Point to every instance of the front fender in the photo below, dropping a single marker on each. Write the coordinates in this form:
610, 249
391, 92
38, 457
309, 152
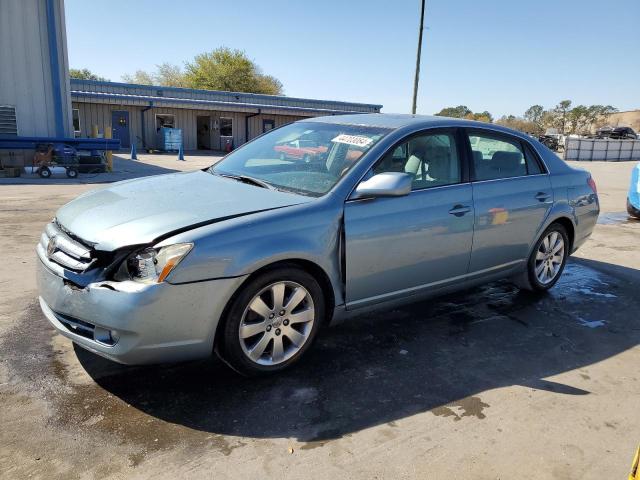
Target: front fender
243, 245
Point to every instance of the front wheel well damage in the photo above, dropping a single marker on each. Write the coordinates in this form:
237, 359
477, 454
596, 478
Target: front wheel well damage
313, 269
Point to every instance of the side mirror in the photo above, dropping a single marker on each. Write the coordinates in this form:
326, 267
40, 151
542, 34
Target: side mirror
389, 184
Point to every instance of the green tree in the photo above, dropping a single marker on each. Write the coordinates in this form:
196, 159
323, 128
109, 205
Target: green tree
169, 75
534, 114
520, 124
229, 70
561, 113
165, 74
483, 117
461, 111
583, 119
140, 77
85, 74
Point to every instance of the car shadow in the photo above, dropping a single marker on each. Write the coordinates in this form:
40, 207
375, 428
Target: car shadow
438, 356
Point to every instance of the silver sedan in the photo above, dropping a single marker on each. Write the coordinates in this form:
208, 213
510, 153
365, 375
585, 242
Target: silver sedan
251, 257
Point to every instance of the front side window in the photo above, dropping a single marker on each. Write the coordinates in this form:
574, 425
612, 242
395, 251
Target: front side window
431, 159
303, 157
496, 157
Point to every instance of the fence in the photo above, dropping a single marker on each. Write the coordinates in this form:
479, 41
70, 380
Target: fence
590, 149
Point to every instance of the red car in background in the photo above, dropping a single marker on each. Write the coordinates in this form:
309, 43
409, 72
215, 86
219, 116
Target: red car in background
305, 150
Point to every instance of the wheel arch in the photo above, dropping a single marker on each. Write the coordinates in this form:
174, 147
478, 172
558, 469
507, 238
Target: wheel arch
308, 266
568, 226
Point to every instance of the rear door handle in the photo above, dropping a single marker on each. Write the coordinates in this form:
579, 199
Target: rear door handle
542, 196
459, 210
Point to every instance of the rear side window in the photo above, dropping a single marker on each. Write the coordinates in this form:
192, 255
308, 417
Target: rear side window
533, 164
497, 157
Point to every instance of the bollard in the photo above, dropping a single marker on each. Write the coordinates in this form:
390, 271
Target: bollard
107, 134
181, 152
134, 154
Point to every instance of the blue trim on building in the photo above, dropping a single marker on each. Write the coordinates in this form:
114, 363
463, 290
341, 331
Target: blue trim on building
55, 68
257, 96
169, 102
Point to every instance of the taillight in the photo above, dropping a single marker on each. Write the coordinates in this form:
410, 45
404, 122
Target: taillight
591, 182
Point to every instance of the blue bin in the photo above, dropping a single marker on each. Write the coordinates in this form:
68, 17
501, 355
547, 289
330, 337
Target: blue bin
169, 139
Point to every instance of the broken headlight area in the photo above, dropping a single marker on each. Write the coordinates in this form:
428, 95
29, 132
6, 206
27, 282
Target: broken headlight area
152, 265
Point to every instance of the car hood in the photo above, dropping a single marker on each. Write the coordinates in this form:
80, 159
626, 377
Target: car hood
140, 211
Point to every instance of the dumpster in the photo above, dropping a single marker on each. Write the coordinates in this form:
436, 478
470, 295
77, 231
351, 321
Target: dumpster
168, 139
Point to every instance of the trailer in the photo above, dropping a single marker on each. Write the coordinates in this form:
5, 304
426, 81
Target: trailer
69, 153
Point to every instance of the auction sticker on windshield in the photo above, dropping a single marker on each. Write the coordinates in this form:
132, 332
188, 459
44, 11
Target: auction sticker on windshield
357, 140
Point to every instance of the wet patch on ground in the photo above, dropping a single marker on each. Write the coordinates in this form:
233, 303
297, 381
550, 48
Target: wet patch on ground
617, 218
437, 356
465, 407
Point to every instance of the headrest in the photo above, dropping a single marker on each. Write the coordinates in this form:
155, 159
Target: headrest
506, 160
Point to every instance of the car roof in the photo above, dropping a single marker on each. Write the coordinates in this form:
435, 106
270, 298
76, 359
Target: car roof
398, 120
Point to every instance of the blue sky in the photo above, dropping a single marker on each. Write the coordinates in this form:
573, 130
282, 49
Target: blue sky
496, 55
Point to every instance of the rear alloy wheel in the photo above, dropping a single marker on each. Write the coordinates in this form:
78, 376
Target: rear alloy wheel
548, 259
272, 322
44, 172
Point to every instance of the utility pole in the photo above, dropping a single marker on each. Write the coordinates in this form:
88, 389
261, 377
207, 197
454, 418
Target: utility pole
417, 77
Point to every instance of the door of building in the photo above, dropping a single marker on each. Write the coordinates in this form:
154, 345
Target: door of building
120, 127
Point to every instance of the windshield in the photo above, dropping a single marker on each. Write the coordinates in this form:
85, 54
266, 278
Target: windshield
303, 157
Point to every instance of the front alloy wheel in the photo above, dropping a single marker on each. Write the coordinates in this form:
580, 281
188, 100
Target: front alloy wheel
277, 323
272, 321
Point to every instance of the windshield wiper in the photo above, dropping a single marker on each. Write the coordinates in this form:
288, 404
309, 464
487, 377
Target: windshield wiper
247, 179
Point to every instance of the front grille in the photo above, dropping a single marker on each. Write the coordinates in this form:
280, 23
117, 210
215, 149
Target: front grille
67, 252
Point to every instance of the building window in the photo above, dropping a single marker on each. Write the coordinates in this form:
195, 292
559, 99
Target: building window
76, 120
268, 124
8, 123
226, 127
165, 120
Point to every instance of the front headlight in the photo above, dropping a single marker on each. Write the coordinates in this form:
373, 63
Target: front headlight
153, 265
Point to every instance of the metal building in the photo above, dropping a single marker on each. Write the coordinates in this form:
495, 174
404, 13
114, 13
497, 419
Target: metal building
34, 69
208, 119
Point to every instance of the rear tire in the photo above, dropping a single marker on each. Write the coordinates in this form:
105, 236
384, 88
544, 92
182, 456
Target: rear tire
44, 172
547, 260
272, 321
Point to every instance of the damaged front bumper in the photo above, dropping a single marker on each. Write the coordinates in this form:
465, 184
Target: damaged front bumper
135, 323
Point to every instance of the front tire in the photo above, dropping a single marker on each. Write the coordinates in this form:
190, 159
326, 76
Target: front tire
272, 322
547, 260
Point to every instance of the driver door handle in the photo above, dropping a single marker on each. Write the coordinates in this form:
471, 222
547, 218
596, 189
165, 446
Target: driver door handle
542, 196
459, 210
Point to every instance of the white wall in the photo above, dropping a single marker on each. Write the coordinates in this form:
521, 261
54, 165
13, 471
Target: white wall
589, 149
